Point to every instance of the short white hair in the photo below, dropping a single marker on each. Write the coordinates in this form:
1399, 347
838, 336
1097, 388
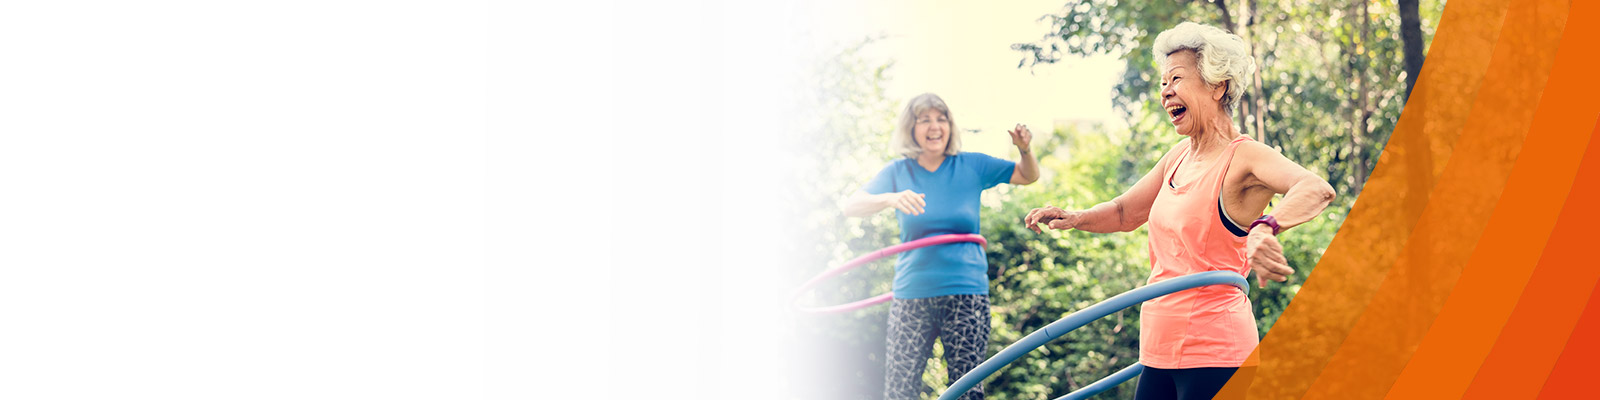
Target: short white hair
1222, 57
905, 140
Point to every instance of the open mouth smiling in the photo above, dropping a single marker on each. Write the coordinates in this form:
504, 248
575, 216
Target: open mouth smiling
1175, 112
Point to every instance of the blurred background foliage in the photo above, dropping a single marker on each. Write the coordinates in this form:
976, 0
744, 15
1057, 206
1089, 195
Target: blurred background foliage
1333, 78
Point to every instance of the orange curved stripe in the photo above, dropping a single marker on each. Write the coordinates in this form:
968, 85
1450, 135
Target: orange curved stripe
1573, 375
1547, 314
1478, 306
1413, 292
1549, 308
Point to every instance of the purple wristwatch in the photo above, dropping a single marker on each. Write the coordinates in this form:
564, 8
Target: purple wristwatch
1270, 221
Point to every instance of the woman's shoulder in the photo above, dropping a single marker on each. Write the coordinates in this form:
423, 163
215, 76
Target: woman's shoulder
1254, 148
1250, 153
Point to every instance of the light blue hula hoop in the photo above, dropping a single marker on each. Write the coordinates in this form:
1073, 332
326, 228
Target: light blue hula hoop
1084, 317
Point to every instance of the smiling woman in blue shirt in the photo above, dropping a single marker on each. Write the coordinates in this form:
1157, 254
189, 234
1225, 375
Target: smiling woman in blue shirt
939, 291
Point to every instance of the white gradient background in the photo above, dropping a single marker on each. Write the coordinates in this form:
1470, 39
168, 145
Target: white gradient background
430, 200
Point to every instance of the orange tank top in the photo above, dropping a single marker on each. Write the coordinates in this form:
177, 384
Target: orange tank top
1211, 326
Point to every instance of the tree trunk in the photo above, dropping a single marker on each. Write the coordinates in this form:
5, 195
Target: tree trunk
1363, 104
1227, 17
1259, 112
1411, 38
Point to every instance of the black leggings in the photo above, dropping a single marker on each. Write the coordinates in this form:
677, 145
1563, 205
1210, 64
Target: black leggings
1182, 384
960, 322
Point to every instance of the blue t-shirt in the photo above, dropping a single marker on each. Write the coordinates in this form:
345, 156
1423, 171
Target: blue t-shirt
951, 193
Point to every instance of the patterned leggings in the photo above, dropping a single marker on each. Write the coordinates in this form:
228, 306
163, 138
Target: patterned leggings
960, 321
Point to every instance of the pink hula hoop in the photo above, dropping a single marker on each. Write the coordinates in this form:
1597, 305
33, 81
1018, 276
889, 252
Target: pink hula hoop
870, 257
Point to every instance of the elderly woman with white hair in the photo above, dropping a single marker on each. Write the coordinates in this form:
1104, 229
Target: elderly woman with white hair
939, 291
1203, 201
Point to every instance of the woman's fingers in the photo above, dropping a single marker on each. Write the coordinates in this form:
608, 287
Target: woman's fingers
908, 202
1043, 216
1281, 269
1053, 213
1264, 275
900, 207
913, 200
1050, 216
1060, 224
1277, 262
1031, 221
1020, 135
1274, 269
1269, 263
914, 203
907, 206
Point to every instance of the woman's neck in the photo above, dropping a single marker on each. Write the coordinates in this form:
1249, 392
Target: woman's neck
930, 161
1213, 137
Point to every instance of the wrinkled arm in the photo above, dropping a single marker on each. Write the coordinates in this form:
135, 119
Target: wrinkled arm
1124, 213
1305, 194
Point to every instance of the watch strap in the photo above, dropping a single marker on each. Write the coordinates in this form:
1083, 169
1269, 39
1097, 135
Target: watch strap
1269, 221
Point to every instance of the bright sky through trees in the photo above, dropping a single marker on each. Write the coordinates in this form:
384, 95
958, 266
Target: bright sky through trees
954, 49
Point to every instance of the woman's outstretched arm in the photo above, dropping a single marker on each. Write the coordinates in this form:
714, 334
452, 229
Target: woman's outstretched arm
862, 204
1124, 213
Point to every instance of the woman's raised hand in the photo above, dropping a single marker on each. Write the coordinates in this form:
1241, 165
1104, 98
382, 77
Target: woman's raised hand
1021, 137
906, 201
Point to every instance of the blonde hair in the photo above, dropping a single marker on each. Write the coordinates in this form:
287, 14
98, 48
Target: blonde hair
1222, 57
905, 141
